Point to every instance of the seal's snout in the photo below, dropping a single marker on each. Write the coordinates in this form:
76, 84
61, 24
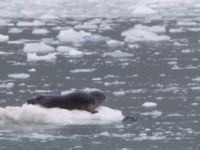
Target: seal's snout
99, 95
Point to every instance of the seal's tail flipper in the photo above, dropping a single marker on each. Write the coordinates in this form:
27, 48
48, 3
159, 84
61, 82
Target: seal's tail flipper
129, 119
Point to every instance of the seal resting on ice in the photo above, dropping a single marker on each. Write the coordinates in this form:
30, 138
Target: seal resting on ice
76, 100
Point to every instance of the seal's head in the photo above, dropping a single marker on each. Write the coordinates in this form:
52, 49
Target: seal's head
99, 97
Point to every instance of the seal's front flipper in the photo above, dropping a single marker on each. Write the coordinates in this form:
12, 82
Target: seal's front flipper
92, 111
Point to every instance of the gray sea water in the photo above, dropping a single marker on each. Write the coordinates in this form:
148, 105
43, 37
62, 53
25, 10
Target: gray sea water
165, 73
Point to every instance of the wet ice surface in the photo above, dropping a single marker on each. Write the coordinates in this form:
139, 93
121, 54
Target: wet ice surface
144, 55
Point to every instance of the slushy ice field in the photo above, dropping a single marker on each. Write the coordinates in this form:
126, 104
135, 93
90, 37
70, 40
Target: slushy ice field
143, 54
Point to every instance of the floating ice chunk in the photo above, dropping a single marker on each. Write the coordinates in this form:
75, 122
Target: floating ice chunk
118, 54
119, 93
186, 23
195, 104
197, 29
7, 85
69, 51
196, 79
82, 70
34, 23
38, 48
156, 29
35, 114
40, 31
155, 113
176, 30
15, 30
87, 26
32, 70
138, 35
142, 11
5, 53
73, 36
3, 22
114, 43
3, 38
19, 75
50, 57
149, 104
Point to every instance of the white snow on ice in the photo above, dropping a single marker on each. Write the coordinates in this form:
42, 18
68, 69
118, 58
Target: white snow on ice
72, 36
36, 114
69, 51
143, 33
38, 48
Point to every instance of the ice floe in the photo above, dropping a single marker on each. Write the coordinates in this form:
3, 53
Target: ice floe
34, 57
155, 113
141, 10
32, 70
149, 104
15, 30
34, 23
38, 48
4, 38
82, 70
114, 43
28, 114
7, 85
19, 75
143, 33
119, 93
72, 36
118, 54
69, 51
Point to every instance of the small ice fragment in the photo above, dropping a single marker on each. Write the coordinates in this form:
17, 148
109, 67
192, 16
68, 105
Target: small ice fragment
114, 43
32, 70
15, 30
82, 70
3, 38
118, 54
155, 113
104, 134
7, 85
149, 104
19, 76
119, 93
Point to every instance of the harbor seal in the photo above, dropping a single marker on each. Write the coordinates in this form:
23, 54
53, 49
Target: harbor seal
76, 100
